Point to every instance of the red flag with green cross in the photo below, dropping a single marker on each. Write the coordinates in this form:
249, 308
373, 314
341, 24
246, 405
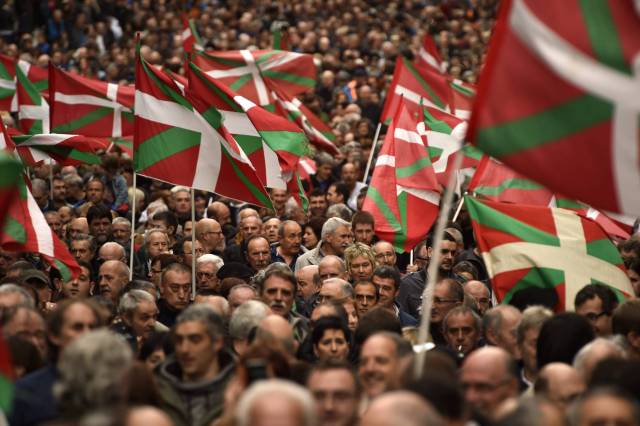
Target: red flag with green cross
559, 98
33, 108
37, 75
251, 73
404, 194
190, 37
550, 251
67, 150
182, 140
84, 106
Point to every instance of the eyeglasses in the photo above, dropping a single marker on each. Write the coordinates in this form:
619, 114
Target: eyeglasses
438, 301
593, 317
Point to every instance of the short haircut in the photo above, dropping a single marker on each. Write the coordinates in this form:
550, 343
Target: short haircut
455, 289
276, 269
367, 283
591, 291
55, 319
341, 188
85, 237
532, 318
376, 320
98, 211
283, 224
333, 364
27, 301
574, 413
362, 218
345, 287
462, 310
121, 221
130, 301
626, 318
175, 267
492, 319
402, 345
329, 323
168, 217
331, 225
340, 210
247, 317
265, 389
150, 232
466, 266
445, 237
388, 273
210, 258
206, 315
358, 250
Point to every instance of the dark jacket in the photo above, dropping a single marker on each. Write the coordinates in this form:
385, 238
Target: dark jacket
33, 402
166, 314
410, 296
193, 404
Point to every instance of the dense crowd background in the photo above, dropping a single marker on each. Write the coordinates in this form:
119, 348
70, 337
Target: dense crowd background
298, 318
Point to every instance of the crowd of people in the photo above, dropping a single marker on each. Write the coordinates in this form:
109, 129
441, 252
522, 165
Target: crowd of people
289, 317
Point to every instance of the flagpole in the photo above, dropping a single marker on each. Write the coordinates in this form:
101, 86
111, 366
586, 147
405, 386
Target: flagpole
193, 243
51, 180
411, 257
432, 271
460, 203
133, 227
373, 150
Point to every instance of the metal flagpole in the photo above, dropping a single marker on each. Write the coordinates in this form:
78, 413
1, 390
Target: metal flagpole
51, 180
460, 204
133, 227
193, 243
371, 154
432, 271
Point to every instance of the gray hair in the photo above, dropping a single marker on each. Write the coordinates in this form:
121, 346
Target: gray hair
492, 319
462, 310
210, 258
613, 345
345, 287
121, 220
150, 232
206, 315
277, 269
265, 389
27, 299
324, 158
331, 225
85, 237
130, 301
92, 369
73, 180
246, 317
39, 185
339, 210
532, 317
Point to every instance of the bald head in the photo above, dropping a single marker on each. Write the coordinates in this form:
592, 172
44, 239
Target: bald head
218, 303
209, 233
559, 383
332, 267
111, 251
304, 278
278, 328
147, 415
220, 212
400, 408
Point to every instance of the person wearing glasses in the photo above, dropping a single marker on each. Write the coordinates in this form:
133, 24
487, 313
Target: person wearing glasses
596, 302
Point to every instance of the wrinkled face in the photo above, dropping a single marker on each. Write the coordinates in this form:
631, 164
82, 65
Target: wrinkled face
461, 333
270, 229
259, 254
250, 227
528, 349
443, 302
182, 202
78, 288
386, 289
333, 196
95, 191
213, 237
195, 351
206, 276
330, 290
239, 296
111, 280
100, 228
65, 214
363, 233
448, 252
634, 278
378, 362
385, 255
480, 293
55, 222
77, 226
593, 311
330, 269
340, 239
361, 269
333, 345
306, 287
29, 326
365, 297
120, 232
278, 294
507, 335
176, 289
78, 319
291, 242
336, 397
485, 387
81, 250
186, 247
349, 174
158, 243
144, 317
317, 205
309, 239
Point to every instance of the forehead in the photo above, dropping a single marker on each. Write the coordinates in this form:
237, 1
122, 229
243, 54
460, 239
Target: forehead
292, 227
382, 247
177, 277
342, 229
383, 281
157, 236
334, 379
94, 184
78, 311
181, 195
363, 226
329, 265
378, 345
208, 266
463, 319
276, 282
360, 259
449, 245
364, 287
146, 305
191, 327
80, 243
258, 244
272, 222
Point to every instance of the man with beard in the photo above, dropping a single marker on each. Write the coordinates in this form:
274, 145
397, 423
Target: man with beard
412, 287
336, 237
290, 244
349, 175
334, 387
277, 288
99, 219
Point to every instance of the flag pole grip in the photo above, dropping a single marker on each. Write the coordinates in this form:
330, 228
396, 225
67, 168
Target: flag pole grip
372, 153
133, 227
432, 271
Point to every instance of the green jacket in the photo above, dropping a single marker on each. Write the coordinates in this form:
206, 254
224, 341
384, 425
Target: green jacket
193, 404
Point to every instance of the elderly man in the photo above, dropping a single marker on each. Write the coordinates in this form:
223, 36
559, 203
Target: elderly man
500, 328
207, 267
181, 201
335, 238
112, 277
289, 246
138, 311
77, 226
27, 323
280, 401
243, 320
332, 267
462, 329
111, 251
400, 408
385, 253
480, 293
527, 334
335, 289
175, 292
488, 378
82, 247
258, 253
308, 287
270, 229
559, 383
209, 233
121, 231
187, 250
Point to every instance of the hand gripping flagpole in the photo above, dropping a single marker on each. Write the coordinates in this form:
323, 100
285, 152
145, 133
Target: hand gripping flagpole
193, 243
372, 153
133, 227
432, 271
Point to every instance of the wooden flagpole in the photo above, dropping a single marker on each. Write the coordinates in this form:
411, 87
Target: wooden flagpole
193, 243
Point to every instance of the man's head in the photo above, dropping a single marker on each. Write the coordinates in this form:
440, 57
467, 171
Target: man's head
447, 253
79, 287
560, 384
317, 203
387, 280
335, 289
277, 288
385, 254
258, 253
66, 213
77, 226
335, 388
187, 249
83, 247
380, 361
207, 267
360, 262
181, 200
99, 219
596, 302
480, 293
111, 251
270, 229
277, 328
605, 406
138, 310
307, 282
332, 266
250, 226
500, 327
349, 174
220, 212
209, 233
12, 296
26, 323
219, 304
596, 351
626, 322
156, 242
447, 294
240, 294
362, 225
165, 221
112, 277
279, 198
175, 286
198, 337
337, 193
336, 233
400, 408
121, 230
462, 329
290, 237
366, 296
275, 402
527, 335
70, 320
243, 321
59, 189
55, 222
95, 191
489, 376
